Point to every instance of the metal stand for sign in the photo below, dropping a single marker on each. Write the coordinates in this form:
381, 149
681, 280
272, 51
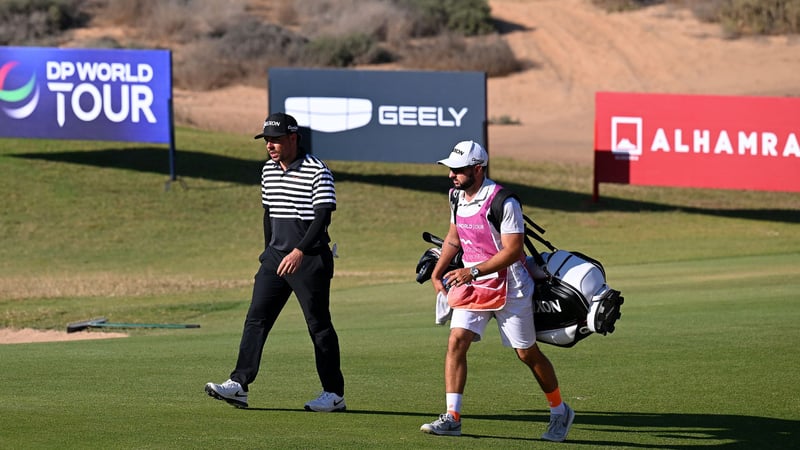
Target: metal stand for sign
172, 174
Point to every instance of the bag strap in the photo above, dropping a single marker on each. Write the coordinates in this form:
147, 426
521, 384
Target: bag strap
532, 229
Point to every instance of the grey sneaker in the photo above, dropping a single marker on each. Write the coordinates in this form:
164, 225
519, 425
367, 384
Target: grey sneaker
445, 425
229, 391
326, 402
559, 425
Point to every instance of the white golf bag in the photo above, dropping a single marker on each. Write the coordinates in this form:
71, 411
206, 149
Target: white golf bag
571, 299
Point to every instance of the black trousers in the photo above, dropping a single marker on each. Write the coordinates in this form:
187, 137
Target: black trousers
311, 285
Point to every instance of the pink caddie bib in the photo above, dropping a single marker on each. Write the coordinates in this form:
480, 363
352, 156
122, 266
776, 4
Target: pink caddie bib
487, 293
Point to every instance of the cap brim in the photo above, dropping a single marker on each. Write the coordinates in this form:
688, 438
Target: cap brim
451, 164
263, 135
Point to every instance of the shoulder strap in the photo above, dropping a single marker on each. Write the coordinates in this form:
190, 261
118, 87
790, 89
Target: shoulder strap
532, 229
454, 202
496, 208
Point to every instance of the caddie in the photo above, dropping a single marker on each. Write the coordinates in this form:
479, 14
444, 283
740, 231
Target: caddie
494, 283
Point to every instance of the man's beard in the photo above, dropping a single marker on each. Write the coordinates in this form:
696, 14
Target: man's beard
468, 183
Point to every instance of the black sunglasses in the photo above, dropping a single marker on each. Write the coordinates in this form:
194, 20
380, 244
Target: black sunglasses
460, 170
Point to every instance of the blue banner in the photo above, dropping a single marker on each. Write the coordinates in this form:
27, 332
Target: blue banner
108, 95
392, 116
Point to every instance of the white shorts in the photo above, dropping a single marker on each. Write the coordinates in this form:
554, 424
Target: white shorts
515, 322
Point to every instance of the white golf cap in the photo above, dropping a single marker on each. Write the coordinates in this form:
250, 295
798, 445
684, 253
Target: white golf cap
464, 154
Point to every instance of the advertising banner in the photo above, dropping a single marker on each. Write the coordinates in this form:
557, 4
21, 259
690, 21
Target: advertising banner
701, 141
109, 95
392, 116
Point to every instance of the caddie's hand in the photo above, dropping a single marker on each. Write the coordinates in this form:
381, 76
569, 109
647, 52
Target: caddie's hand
458, 277
438, 285
290, 263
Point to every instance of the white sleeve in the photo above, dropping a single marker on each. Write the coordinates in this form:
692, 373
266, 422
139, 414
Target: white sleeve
513, 222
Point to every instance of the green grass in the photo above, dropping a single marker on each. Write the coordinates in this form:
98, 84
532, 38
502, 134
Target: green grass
705, 354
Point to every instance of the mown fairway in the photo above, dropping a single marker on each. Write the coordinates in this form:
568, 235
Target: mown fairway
705, 354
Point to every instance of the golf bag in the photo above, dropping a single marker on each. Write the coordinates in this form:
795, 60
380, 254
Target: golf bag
571, 299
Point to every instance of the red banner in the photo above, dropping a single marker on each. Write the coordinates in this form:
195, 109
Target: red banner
699, 141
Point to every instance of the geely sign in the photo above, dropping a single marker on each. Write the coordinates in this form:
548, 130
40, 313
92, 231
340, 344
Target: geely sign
329, 114
113, 95
394, 116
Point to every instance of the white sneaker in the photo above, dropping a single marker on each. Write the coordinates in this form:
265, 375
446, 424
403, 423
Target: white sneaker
559, 425
229, 391
326, 402
445, 425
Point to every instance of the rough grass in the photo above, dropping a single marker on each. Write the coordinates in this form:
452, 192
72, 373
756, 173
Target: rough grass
85, 220
710, 280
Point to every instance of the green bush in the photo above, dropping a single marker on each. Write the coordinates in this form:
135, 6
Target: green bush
433, 17
344, 51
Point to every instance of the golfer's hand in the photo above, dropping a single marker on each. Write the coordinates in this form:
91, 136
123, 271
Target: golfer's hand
290, 263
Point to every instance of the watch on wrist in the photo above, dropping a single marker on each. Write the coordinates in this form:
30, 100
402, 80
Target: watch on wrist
474, 272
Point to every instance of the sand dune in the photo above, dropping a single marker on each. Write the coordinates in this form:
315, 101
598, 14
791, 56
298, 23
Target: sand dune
575, 50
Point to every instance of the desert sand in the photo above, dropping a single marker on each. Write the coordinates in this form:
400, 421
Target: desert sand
29, 335
575, 50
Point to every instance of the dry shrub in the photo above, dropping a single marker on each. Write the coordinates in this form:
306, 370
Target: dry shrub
737, 17
705, 10
242, 53
39, 21
434, 17
757, 17
490, 54
624, 5
381, 20
178, 21
215, 43
344, 51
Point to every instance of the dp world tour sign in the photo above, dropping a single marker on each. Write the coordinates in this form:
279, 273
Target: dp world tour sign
113, 95
392, 116
700, 141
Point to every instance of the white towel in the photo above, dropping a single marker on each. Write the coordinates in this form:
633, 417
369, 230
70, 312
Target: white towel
443, 311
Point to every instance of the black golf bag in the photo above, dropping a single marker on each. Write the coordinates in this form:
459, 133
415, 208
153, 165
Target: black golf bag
571, 299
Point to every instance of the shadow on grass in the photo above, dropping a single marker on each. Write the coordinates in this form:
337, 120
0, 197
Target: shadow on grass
685, 431
567, 201
653, 430
156, 160
233, 170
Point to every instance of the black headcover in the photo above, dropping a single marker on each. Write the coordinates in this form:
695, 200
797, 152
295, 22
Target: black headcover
428, 261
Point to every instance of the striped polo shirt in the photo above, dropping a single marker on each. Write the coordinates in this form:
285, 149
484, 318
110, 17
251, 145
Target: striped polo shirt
292, 196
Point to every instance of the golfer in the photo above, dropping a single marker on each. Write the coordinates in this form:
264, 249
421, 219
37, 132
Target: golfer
494, 283
298, 195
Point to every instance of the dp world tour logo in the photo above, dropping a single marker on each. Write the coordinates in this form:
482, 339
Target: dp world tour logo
18, 102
